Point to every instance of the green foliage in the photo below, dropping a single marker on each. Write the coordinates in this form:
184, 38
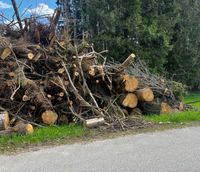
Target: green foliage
163, 32
179, 90
193, 99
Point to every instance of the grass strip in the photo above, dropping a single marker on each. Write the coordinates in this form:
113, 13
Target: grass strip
180, 117
40, 136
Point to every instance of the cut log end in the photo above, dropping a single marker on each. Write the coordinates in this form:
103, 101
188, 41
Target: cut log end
165, 108
23, 128
6, 53
130, 100
145, 94
4, 120
49, 117
128, 61
30, 56
131, 83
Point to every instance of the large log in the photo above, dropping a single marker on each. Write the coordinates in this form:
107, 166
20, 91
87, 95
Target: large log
145, 94
23, 128
23, 52
4, 120
129, 100
130, 83
49, 117
155, 108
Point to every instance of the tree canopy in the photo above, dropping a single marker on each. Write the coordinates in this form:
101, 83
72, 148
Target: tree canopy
165, 33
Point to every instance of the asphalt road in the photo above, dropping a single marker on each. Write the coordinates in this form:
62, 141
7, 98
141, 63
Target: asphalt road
175, 150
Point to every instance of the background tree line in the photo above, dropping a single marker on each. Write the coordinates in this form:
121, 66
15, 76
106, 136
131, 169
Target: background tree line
165, 33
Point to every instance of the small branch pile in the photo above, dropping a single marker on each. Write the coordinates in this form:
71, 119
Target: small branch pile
48, 79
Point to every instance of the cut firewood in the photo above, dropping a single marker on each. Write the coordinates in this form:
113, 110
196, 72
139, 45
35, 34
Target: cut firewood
129, 100
131, 83
165, 108
4, 120
49, 117
25, 98
30, 56
145, 94
23, 128
5, 53
43, 71
127, 62
95, 122
155, 108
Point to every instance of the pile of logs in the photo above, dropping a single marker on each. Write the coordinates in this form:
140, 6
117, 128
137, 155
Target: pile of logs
48, 79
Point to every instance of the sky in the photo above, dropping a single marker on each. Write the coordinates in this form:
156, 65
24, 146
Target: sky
38, 7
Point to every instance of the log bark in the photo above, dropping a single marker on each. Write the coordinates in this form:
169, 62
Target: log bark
129, 100
145, 94
95, 122
155, 108
136, 111
4, 120
23, 52
150, 107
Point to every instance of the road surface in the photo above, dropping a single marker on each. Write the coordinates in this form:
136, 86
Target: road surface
176, 150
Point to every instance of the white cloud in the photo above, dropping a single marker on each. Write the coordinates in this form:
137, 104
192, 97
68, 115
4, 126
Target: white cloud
4, 5
41, 9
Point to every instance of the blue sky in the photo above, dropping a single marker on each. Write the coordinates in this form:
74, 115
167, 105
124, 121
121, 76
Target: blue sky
38, 7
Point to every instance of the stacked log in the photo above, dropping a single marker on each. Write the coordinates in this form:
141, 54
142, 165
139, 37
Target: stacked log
50, 80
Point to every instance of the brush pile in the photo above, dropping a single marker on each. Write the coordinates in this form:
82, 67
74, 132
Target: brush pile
46, 78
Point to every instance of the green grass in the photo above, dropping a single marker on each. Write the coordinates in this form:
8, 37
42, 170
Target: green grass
181, 117
41, 136
193, 99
